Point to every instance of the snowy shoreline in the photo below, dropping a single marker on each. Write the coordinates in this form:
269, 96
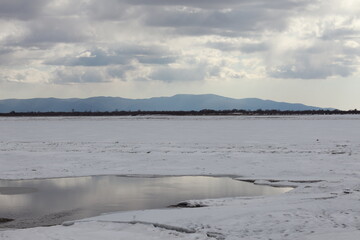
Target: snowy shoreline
295, 150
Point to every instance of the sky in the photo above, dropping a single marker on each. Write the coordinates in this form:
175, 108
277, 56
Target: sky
303, 51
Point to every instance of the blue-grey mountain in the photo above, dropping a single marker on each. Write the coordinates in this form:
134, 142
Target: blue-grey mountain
181, 102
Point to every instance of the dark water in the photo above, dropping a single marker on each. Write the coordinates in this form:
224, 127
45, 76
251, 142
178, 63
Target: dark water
51, 201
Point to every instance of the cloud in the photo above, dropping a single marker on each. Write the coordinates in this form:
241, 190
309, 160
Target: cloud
224, 46
116, 56
180, 40
79, 75
109, 10
15, 57
93, 74
48, 31
227, 18
6, 56
198, 17
254, 47
242, 47
192, 71
339, 33
28, 75
96, 57
168, 74
320, 61
120, 72
235, 22
304, 70
215, 4
21, 9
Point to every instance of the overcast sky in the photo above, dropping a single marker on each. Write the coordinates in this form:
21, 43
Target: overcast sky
304, 51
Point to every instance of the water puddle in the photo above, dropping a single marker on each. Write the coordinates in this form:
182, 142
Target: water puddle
46, 202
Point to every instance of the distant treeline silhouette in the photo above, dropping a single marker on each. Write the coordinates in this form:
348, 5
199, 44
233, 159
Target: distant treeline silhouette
204, 112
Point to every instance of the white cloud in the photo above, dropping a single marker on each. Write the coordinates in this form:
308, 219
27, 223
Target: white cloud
25, 75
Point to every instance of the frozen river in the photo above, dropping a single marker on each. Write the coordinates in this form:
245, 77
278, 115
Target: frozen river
317, 154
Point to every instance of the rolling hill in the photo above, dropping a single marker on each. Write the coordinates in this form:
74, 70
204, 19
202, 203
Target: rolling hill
180, 102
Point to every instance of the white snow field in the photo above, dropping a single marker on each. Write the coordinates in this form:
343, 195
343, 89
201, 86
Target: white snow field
317, 154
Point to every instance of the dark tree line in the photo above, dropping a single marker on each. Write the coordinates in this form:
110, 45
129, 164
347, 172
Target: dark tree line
204, 112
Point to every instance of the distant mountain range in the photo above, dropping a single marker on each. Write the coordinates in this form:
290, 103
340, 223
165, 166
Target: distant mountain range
181, 102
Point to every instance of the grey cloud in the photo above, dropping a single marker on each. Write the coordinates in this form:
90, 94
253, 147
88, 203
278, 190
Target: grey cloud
245, 47
60, 23
254, 47
191, 3
73, 75
80, 74
162, 60
43, 25
223, 46
316, 62
307, 71
216, 4
96, 57
237, 22
120, 56
339, 33
4, 51
119, 72
168, 74
198, 17
6, 55
21, 9
52, 30
203, 31
350, 53
198, 72
108, 10
13, 56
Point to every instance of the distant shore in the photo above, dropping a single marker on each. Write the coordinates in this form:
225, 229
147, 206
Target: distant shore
205, 112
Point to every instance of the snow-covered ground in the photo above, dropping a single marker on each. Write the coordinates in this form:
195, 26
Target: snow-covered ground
318, 154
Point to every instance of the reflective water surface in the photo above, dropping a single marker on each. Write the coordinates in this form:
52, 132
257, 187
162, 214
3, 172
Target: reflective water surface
51, 201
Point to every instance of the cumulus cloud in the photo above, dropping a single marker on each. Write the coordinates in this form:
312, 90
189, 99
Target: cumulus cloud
27, 75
